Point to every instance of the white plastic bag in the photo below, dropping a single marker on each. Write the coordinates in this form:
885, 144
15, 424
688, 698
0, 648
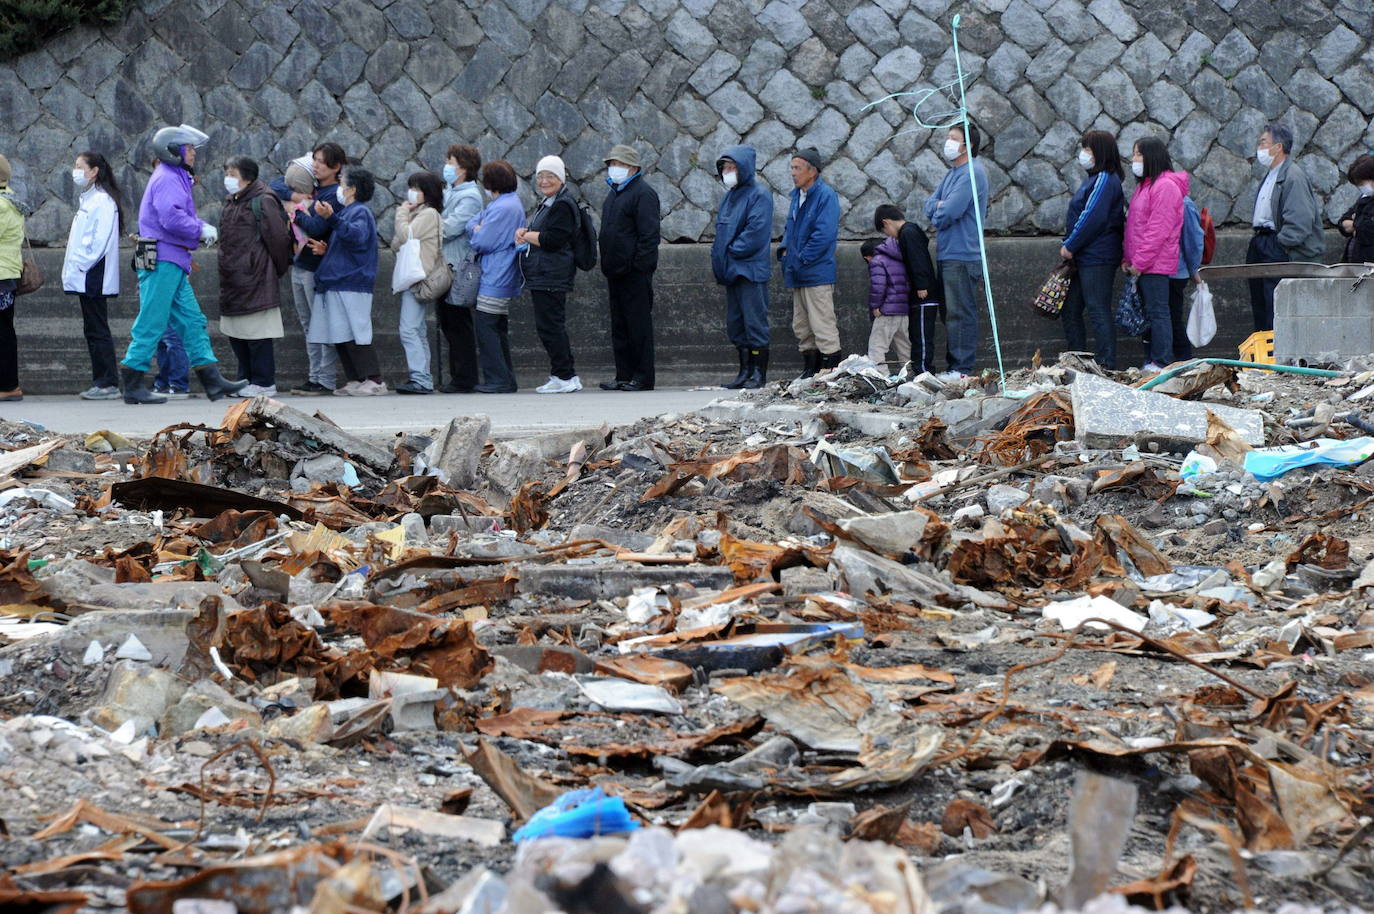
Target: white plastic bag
1202, 320
408, 270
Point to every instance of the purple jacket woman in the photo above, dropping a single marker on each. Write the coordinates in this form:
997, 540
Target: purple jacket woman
887, 282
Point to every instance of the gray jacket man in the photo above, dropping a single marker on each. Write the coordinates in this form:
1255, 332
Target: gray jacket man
1287, 220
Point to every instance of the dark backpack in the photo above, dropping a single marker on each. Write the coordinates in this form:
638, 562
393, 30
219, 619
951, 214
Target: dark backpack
1209, 235
584, 239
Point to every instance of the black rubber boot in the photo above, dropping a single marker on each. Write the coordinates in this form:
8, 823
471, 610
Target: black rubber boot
135, 391
217, 385
829, 360
811, 360
758, 369
743, 369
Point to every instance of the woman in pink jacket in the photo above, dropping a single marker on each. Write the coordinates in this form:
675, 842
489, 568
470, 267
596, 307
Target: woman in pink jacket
1154, 225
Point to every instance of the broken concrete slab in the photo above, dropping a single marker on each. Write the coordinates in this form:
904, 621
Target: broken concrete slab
890, 534
610, 580
162, 632
195, 701
458, 448
1107, 415
629, 539
869, 422
136, 692
274, 412
444, 524
1005, 498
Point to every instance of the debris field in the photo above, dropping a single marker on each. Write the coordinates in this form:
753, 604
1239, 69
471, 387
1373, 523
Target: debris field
857, 643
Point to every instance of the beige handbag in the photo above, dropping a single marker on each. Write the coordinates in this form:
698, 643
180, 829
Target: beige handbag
439, 280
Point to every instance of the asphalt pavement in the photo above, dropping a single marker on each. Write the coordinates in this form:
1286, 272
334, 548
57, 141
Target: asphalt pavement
512, 415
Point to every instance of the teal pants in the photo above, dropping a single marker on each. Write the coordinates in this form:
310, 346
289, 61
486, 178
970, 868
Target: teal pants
165, 297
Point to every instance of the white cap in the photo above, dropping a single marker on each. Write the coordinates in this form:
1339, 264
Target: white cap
554, 166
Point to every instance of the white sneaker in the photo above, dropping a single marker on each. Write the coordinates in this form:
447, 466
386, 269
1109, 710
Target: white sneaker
100, 393
253, 390
559, 386
370, 388
951, 376
172, 394
1152, 368
348, 389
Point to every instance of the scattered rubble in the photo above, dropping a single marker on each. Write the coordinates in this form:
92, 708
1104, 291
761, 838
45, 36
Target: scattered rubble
855, 643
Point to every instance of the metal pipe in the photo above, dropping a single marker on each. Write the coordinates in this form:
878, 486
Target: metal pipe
1236, 363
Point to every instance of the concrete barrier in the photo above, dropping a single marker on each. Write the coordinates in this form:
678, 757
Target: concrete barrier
689, 317
1316, 316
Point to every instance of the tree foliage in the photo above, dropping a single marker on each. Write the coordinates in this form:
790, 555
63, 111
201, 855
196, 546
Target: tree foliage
26, 24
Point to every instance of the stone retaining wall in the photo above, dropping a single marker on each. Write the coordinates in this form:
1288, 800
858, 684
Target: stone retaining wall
396, 81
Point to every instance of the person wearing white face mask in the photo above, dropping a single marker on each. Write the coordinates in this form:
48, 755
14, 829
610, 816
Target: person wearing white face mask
463, 199
740, 263
418, 217
951, 213
1094, 224
255, 253
629, 256
90, 269
1357, 224
1286, 220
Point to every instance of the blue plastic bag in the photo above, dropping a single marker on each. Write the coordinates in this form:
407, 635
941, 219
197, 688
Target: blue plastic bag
579, 814
1130, 313
1268, 463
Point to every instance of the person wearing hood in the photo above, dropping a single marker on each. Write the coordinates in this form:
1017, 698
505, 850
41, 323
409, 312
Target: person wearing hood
1287, 220
889, 301
546, 260
308, 179
255, 253
11, 268
739, 260
923, 283
954, 214
1154, 228
90, 268
629, 256
167, 218
1357, 224
807, 254
1094, 225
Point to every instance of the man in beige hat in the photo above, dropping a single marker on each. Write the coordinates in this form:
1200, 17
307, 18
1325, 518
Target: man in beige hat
629, 256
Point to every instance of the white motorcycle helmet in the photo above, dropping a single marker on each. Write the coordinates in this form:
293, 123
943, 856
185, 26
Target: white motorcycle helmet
169, 140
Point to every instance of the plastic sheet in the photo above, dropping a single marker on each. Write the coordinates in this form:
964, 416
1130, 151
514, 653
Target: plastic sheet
579, 814
1272, 462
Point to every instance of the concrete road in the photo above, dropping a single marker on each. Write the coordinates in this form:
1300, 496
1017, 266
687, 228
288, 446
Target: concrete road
512, 415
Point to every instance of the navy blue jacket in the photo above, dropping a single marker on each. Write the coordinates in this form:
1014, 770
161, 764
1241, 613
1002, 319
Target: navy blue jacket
744, 225
807, 250
350, 261
1096, 221
307, 221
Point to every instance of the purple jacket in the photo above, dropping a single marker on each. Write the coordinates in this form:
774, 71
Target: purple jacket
887, 283
168, 214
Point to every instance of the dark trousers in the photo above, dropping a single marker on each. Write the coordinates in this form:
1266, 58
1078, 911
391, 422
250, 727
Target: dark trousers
1264, 248
95, 323
1154, 298
920, 326
550, 322
9, 350
1178, 316
173, 365
746, 313
257, 361
359, 362
961, 279
1090, 294
493, 351
632, 326
456, 323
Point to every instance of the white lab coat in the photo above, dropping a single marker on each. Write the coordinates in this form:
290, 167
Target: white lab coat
94, 234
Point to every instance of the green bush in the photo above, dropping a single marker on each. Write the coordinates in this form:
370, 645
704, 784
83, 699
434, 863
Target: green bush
26, 24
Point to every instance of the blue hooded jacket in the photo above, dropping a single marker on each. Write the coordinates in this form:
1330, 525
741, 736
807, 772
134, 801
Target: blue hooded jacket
350, 262
807, 250
1096, 221
744, 225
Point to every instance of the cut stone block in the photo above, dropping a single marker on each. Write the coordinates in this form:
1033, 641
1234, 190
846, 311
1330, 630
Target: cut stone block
1314, 317
1107, 414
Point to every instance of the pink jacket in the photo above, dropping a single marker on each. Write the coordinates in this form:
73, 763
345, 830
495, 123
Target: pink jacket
1154, 224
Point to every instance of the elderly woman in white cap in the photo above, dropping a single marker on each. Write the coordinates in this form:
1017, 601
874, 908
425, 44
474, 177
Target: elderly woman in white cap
548, 266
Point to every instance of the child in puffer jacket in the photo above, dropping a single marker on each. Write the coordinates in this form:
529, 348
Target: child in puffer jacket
888, 303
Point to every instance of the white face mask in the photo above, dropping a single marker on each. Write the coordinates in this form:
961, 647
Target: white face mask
730, 178
232, 185
1265, 157
952, 149
415, 197
1367, 190
339, 193
1085, 159
79, 177
1138, 169
617, 173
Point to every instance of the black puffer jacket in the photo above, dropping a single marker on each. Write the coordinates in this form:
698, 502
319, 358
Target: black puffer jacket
629, 229
549, 266
1360, 246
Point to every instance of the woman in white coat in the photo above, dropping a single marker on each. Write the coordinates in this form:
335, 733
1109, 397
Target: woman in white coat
90, 270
